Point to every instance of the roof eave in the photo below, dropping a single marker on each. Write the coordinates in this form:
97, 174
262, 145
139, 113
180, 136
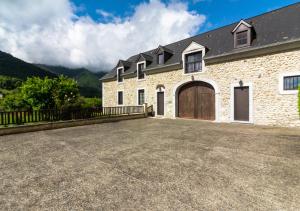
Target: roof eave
164, 68
254, 51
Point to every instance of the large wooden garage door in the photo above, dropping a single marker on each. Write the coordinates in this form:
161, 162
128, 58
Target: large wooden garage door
196, 100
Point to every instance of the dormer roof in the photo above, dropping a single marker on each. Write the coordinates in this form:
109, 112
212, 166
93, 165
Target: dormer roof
242, 22
123, 63
144, 57
161, 49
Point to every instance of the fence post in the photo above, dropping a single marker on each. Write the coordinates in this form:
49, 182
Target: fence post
145, 110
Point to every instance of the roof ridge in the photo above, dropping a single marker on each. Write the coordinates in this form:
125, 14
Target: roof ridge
236, 22
227, 25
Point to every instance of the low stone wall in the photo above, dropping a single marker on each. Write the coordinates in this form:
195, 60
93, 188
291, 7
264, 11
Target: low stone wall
65, 124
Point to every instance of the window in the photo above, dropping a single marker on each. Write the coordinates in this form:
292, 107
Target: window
119, 74
193, 62
141, 96
291, 82
241, 38
141, 74
161, 58
120, 98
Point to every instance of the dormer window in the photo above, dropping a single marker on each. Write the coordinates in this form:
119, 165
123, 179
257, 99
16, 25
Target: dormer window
193, 62
140, 72
161, 58
163, 54
120, 71
242, 34
192, 58
242, 38
121, 67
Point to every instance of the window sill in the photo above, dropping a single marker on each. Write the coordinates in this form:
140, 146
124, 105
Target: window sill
193, 73
288, 92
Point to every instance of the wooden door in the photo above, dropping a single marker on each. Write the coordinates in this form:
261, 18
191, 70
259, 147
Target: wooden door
186, 101
197, 100
205, 103
160, 103
241, 103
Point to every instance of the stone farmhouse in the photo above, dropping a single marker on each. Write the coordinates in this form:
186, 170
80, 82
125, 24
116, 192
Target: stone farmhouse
245, 72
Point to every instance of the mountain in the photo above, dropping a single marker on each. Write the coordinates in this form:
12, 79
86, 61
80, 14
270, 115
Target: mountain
14, 67
89, 84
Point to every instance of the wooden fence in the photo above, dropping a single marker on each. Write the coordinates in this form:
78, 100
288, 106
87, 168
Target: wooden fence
23, 117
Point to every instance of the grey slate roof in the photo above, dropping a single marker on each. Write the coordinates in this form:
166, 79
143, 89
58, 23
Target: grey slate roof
277, 26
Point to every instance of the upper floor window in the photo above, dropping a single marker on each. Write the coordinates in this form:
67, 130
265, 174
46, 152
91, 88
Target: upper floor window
120, 98
193, 62
291, 82
161, 59
119, 74
140, 73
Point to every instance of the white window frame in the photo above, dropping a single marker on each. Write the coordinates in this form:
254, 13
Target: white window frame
164, 91
118, 97
120, 68
137, 70
281, 83
193, 48
250, 85
137, 96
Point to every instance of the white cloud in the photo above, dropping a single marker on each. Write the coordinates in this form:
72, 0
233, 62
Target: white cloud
50, 33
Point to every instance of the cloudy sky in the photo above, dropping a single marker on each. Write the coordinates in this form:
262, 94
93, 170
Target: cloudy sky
96, 33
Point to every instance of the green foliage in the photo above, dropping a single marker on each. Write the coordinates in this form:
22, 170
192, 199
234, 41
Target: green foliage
9, 83
38, 93
14, 101
65, 91
45, 93
91, 102
49, 93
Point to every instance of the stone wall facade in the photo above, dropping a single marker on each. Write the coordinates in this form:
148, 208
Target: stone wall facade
262, 73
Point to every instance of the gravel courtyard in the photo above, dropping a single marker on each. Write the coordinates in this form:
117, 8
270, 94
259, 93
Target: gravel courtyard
152, 164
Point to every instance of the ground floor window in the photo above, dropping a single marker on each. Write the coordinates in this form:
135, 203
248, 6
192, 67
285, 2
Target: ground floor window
141, 96
120, 98
291, 82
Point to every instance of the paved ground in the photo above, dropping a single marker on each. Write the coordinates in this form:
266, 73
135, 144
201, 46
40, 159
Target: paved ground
151, 164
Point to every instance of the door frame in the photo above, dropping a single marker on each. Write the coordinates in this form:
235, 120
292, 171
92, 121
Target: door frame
250, 85
179, 85
161, 89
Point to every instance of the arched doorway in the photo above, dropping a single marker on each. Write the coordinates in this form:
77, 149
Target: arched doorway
196, 100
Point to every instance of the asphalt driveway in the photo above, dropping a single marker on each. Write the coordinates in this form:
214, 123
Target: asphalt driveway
152, 164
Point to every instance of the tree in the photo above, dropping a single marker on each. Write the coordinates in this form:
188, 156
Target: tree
50, 93
65, 92
14, 101
37, 93
9, 83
